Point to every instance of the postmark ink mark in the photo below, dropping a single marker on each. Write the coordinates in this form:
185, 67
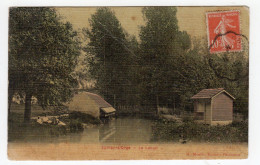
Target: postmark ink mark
223, 29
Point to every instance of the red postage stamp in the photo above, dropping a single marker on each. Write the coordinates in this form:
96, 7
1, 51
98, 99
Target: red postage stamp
223, 31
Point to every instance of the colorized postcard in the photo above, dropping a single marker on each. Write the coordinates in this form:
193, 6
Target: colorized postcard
128, 83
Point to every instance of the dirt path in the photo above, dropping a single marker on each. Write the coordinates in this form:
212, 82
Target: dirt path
74, 151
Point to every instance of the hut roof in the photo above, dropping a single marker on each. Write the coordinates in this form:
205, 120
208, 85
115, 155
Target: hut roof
87, 102
98, 99
209, 93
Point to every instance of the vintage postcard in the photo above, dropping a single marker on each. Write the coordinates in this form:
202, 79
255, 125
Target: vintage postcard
128, 83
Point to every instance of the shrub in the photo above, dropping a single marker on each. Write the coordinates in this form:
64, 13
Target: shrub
76, 120
33, 131
83, 118
172, 131
76, 125
187, 119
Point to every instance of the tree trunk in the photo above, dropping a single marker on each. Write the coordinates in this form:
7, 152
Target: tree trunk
114, 101
10, 96
27, 111
157, 105
174, 104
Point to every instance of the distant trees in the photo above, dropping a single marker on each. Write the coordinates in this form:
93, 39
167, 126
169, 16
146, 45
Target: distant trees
42, 56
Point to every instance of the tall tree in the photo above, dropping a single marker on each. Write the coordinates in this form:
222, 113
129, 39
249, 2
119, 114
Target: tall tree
162, 46
110, 55
42, 55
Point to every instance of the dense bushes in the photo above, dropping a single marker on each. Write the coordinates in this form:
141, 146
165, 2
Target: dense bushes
77, 119
83, 118
75, 125
171, 131
20, 131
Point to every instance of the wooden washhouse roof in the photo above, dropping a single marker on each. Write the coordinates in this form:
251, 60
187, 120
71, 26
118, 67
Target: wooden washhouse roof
99, 100
88, 103
209, 93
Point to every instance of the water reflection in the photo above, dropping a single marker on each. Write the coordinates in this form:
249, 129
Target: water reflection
121, 130
126, 130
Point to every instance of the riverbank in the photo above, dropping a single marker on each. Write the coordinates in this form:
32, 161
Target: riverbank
33, 131
98, 151
190, 131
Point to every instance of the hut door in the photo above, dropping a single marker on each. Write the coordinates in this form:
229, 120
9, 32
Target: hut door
207, 115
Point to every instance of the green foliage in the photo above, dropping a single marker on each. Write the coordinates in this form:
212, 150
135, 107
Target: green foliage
76, 121
111, 56
83, 118
33, 131
163, 47
171, 131
232, 72
76, 125
42, 55
29, 132
166, 69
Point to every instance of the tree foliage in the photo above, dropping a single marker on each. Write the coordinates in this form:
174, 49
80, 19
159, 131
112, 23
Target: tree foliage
231, 70
162, 46
166, 68
42, 55
174, 67
111, 56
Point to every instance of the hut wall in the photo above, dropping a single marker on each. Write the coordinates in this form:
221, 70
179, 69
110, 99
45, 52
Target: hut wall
201, 107
222, 108
195, 105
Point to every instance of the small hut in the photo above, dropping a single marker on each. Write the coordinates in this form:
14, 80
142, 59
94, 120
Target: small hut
213, 106
91, 104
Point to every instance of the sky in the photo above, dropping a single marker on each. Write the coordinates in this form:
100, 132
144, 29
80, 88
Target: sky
190, 19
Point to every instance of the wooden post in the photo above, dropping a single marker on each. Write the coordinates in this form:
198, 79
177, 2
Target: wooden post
157, 103
114, 101
27, 112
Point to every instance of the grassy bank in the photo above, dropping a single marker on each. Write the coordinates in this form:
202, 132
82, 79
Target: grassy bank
33, 131
164, 130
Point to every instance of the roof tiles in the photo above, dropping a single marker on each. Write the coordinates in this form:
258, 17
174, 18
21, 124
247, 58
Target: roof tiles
98, 99
207, 93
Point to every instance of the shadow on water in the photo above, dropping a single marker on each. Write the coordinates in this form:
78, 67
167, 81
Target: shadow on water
126, 130
119, 130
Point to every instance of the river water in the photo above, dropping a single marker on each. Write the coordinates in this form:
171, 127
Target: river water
120, 130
